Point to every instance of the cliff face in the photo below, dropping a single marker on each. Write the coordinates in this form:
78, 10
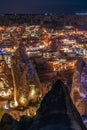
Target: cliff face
24, 74
57, 111
79, 87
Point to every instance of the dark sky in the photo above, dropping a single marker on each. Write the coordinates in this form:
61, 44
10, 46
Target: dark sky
42, 6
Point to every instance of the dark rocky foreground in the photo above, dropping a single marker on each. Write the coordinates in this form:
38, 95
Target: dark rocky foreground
56, 112
7, 122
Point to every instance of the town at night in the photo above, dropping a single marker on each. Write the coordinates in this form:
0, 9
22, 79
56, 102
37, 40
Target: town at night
43, 65
35, 57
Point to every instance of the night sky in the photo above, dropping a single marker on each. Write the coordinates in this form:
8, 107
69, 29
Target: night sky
42, 6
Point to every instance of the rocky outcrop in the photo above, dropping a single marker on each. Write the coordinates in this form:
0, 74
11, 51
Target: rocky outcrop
24, 123
79, 87
57, 111
7, 122
6, 84
24, 75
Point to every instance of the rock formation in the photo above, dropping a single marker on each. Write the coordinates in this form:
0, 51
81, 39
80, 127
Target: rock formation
7, 122
79, 87
24, 123
57, 111
6, 84
24, 75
